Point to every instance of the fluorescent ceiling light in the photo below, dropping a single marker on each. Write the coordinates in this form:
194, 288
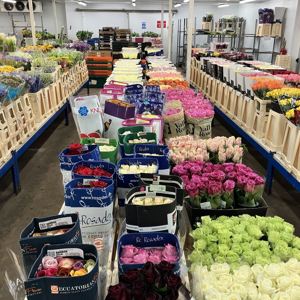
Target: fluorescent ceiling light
246, 1
186, 1
133, 0
223, 5
133, 4
10, 1
82, 3
177, 5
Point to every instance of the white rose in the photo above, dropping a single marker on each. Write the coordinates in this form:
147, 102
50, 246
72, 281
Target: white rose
220, 269
296, 279
294, 292
239, 289
284, 282
274, 270
213, 294
243, 274
293, 266
264, 297
224, 283
257, 270
252, 291
233, 296
282, 296
266, 286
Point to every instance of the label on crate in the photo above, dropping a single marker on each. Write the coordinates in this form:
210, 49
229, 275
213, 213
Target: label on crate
101, 141
205, 205
157, 188
55, 223
73, 252
170, 226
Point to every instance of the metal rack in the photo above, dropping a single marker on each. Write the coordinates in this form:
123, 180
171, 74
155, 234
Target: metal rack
256, 48
235, 39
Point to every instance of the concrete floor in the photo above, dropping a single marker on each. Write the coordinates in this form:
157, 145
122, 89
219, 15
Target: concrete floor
42, 191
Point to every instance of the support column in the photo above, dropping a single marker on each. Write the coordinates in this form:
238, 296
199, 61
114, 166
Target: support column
162, 21
170, 30
32, 22
55, 18
190, 29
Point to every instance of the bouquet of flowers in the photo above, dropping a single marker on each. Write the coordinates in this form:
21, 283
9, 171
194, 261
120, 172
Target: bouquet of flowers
244, 240
283, 93
80, 46
152, 282
291, 109
291, 79
215, 150
217, 186
262, 86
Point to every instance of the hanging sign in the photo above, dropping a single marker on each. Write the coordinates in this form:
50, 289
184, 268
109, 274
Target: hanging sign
158, 24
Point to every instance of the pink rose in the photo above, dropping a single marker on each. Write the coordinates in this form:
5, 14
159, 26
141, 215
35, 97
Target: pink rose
129, 251
196, 169
229, 185
169, 250
250, 186
141, 258
259, 180
217, 175
49, 262
241, 181
195, 179
191, 186
231, 175
214, 188
156, 259
126, 260
170, 259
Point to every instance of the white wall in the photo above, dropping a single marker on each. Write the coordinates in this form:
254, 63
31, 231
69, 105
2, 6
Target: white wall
249, 11
48, 18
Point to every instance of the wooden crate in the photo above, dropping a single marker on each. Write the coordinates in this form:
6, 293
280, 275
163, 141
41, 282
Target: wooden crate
259, 125
215, 91
20, 112
227, 98
247, 114
296, 157
14, 123
262, 106
209, 87
220, 93
193, 72
284, 61
57, 94
264, 30
275, 130
66, 86
39, 105
236, 106
6, 141
276, 30
28, 111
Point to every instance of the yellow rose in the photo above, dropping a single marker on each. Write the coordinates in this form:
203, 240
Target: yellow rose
290, 114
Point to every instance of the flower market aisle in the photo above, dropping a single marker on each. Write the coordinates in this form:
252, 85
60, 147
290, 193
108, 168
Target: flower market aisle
42, 191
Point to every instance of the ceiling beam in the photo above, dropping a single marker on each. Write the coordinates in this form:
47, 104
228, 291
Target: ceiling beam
124, 10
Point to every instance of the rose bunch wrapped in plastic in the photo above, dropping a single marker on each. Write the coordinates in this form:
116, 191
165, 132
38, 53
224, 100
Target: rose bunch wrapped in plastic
244, 240
280, 281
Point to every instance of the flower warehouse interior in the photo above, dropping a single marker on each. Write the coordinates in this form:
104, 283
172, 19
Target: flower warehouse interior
149, 150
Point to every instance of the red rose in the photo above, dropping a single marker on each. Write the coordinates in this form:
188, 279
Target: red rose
150, 273
152, 296
138, 289
172, 295
130, 276
165, 267
118, 292
74, 149
173, 281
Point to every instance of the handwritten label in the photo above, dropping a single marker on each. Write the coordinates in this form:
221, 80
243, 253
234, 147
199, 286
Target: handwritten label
55, 223
73, 252
94, 221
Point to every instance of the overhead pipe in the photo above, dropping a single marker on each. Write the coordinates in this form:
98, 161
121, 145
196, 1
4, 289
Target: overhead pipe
151, 11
